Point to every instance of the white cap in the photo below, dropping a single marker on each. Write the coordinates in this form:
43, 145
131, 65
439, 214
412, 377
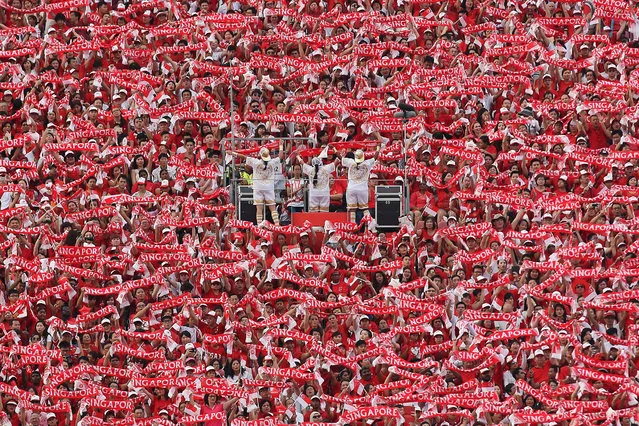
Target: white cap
264, 154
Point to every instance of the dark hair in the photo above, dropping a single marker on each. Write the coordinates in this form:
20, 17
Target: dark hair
479, 116
228, 370
315, 174
134, 166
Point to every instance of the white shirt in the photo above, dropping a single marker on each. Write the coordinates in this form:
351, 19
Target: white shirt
264, 173
358, 173
323, 176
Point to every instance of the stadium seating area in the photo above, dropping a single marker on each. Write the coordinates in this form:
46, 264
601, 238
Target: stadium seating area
133, 294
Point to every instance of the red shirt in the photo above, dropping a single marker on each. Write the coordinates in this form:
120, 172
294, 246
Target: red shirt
540, 374
419, 200
597, 137
337, 188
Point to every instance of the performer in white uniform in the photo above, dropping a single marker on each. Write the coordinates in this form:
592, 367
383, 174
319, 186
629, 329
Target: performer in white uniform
264, 182
359, 170
319, 190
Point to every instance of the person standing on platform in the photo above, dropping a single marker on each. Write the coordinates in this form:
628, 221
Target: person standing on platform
264, 182
318, 183
359, 170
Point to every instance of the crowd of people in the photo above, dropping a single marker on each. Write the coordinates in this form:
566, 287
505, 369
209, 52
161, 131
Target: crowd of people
133, 294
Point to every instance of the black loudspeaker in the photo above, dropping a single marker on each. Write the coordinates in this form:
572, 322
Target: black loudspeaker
388, 206
245, 207
387, 212
246, 210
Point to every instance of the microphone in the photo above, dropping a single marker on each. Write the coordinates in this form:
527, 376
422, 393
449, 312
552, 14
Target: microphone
406, 111
405, 115
406, 107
